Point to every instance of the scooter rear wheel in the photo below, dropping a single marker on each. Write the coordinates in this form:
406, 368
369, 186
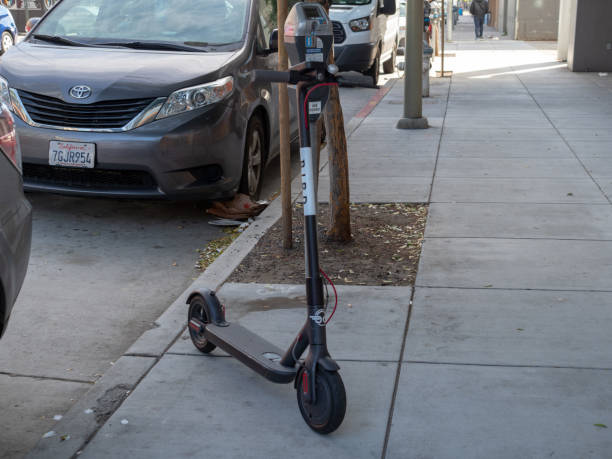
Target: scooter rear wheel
197, 310
327, 413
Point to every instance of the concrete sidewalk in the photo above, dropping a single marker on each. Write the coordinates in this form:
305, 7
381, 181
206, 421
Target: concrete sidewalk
503, 348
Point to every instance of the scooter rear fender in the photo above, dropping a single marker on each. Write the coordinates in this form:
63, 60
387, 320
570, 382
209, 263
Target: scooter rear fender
214, 308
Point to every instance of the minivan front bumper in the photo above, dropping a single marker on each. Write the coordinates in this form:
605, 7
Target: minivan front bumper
197, 154
357, 57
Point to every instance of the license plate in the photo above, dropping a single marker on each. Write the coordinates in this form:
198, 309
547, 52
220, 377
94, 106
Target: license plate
72, 154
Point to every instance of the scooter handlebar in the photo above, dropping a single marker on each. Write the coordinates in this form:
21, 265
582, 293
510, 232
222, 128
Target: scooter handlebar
271, 76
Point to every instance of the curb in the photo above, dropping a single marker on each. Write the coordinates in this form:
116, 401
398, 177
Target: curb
79, 423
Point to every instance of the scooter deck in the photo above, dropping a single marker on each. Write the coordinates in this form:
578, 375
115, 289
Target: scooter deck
252, 350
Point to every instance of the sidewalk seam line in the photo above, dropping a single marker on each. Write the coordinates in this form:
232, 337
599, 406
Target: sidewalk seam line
516, 238
397, 378
435, 169
407, 326
509, 365
564, 139
46, 378
521, 203
514, 289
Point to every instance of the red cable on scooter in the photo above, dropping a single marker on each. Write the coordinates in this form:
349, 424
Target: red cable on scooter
308, 94
335, 294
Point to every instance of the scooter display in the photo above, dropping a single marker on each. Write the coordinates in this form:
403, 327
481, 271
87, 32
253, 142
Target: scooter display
321, 395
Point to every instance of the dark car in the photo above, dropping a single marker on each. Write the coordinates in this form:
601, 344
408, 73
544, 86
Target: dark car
8, 29
15, 219
145, 98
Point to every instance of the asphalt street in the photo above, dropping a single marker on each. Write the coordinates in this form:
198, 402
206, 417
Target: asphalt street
101, 272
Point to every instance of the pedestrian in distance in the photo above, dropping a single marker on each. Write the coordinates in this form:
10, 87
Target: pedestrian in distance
479, 9
427, 20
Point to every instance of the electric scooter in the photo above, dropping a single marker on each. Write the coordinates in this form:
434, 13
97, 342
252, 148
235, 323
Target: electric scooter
321, 395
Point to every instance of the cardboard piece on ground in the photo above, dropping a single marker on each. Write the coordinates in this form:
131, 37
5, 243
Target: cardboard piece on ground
241, 207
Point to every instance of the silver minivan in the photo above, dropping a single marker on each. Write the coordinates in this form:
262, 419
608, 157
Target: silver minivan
15, 219
146, 98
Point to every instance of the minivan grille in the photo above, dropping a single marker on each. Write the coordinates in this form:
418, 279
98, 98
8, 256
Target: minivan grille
111, 114
97, 179
339, 34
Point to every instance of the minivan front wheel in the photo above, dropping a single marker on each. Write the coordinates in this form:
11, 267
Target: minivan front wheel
254, 158
7, 41
389, 65
374, 71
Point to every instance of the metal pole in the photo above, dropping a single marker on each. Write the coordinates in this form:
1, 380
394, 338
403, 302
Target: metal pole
451, 17
436, 35
27, 10
442, 39
413, 75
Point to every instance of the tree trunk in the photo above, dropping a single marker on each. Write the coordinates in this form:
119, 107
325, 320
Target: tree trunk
339, 197
285, 149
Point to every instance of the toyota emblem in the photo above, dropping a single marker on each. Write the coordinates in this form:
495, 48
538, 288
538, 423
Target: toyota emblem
80, 92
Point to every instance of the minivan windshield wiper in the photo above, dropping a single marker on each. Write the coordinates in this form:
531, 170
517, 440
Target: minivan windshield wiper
59, 40
153, 45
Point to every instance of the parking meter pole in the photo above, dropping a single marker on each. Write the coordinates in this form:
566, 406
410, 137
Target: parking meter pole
436, 34
413, 74
283, 110
26, 8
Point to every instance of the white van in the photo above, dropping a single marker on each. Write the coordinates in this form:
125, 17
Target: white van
366, 33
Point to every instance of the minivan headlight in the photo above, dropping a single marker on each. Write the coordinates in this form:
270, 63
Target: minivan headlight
360, 25
188, 99
5, 95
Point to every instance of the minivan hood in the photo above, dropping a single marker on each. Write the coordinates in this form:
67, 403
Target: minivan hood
346, 13
111, 73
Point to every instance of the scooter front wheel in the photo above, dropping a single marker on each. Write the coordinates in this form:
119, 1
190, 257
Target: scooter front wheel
198, 311
326, 414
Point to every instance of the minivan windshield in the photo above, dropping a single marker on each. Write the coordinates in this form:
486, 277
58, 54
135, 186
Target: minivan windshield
146, 24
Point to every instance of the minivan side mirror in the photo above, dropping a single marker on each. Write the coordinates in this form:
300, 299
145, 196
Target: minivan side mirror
31, 23
388, 7
273, 41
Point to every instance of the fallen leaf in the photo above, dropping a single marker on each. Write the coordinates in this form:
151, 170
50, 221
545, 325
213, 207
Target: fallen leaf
603, 426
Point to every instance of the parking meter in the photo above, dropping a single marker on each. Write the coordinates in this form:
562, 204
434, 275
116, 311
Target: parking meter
309, 35
309, 40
